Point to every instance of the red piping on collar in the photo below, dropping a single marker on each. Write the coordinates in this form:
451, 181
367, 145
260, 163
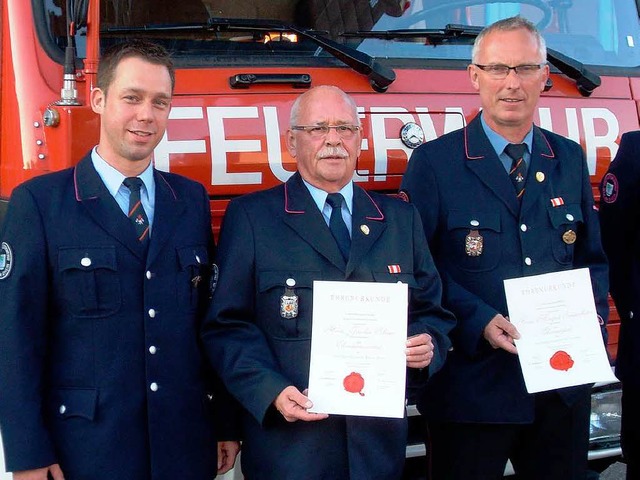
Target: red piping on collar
175, 197
381, 217
553, 155
286, 201
466, 147
75, 187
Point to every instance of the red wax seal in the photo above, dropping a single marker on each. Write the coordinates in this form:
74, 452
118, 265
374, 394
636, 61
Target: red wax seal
354, 383
561, 360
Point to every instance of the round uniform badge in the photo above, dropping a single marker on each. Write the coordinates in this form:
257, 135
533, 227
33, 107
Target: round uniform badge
610, 188
6, 260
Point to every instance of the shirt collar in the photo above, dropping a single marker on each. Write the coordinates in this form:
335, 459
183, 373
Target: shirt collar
113, 179
320, 196
498, 142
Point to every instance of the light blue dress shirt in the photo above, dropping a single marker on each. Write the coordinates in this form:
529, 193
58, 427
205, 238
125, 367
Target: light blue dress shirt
320, 198
499, 143
113, 179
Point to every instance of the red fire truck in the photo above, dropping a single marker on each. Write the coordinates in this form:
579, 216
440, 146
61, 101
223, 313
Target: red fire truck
241, 64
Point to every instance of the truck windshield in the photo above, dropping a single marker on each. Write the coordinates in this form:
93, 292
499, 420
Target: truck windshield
595, 32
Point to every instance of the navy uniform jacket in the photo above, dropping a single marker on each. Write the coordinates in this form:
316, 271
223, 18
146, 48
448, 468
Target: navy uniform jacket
620, 222
268, 237
459, 186
100, 367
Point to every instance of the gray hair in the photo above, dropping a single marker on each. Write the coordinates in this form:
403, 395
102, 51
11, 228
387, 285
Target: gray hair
507, 25
299, 102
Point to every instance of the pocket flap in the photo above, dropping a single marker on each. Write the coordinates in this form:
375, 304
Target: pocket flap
404, 277
475, 220
91, 258
76, 402
564, 214
192, 256
269, 279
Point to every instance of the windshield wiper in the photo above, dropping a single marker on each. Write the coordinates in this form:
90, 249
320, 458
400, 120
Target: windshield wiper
380, 76
586, 80
459, 34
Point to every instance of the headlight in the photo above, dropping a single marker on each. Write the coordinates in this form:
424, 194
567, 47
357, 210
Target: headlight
604, 430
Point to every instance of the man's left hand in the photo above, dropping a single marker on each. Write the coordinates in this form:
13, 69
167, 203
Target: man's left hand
227, 452
419, 350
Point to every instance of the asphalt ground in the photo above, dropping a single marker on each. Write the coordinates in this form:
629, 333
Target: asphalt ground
617, 471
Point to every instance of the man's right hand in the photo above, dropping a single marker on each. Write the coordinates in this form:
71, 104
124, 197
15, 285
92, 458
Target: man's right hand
40, 473
500, 333
293, 405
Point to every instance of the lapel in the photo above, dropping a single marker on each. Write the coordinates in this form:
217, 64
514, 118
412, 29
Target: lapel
102, 208
483, 161
302, 215
168, 212
368, 223
543, 163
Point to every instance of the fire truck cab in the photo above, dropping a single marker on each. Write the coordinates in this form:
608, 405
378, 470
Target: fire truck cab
240, 65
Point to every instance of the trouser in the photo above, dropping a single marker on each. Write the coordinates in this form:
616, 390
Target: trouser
554, 447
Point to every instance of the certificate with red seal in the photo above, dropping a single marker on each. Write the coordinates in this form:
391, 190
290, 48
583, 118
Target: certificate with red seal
560, 341
358, 342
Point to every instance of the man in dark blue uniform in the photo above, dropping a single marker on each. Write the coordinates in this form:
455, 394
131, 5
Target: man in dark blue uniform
103, 285
620, 226
273, 245
490, 214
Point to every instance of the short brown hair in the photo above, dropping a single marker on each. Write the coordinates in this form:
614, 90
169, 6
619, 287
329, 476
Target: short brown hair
148, 51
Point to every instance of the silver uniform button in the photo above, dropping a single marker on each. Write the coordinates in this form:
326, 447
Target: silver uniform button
62, 409
474, 223
569, 217
523, 227
631, 314
290, 282
152, 313
85, 262
152, 350
527, 260
154, 387
148, 275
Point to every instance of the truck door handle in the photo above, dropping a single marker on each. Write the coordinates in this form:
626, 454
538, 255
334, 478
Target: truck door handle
245, 80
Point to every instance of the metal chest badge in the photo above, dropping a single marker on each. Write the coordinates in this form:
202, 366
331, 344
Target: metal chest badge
569, 237
473, 243
289, 301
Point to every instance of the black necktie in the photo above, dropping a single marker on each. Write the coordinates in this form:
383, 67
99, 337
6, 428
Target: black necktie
337, 226
518, 171
136, 214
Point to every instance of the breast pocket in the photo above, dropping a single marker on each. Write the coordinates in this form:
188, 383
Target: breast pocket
193, 277
285, 302
90, 282
565, 221
474, 240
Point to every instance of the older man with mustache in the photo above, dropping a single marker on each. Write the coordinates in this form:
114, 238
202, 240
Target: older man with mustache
274, 244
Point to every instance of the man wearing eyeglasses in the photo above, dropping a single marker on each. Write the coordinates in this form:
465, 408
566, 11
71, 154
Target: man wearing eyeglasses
273, 245
502, 198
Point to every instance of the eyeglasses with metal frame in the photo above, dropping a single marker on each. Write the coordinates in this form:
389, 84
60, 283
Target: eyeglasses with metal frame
502, 71
318, 131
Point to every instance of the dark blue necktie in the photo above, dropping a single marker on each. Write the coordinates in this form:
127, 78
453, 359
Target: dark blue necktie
518, 171
136, 213
337, 226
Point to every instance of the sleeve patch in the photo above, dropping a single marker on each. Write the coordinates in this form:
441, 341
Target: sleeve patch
6, 260
610, 188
